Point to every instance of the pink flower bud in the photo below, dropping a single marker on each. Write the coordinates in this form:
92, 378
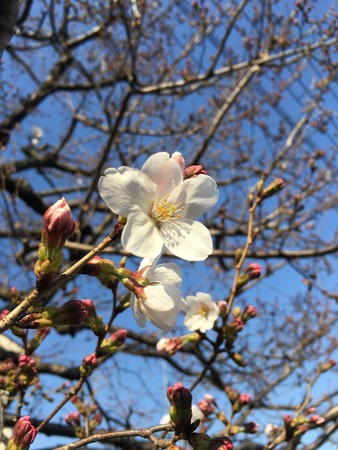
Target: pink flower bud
249, 313
177, 156
170, 346
250, 427
73, 419
180, 400
244, 399
58, 218
253, 270
23, 434
221, 443
206, 407
193, 171
90, 361
317, 419
110, 345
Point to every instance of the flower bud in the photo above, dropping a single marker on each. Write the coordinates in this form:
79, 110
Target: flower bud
253, 270
206, 407
23, 434
58, 225
248, 313
221, 443
244, 399
94, 321
73, 312
73, 419
201, 441
180, 400
223, 307
237, 358
89, 363
110, 345
193, 171
277, 185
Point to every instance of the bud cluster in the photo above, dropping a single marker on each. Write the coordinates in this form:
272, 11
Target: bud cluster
14, 377
201, 441
237, 400
85, 419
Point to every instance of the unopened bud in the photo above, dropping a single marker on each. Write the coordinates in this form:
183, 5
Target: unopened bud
23, 434
94, 321
237, 358
277, 185
180, 400
89, 363
248, 313
223, 307
193, 171
110, 345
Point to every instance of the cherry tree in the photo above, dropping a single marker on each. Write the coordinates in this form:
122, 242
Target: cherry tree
168, 205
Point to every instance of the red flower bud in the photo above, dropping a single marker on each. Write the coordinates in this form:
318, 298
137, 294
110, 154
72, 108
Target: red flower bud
23, 434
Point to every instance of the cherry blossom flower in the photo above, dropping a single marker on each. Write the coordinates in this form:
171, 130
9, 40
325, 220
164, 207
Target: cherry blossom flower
159, 301
201, 312
161, 208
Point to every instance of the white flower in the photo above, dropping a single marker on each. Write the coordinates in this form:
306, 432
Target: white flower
161, 208
271, 430
201, 312
159, 302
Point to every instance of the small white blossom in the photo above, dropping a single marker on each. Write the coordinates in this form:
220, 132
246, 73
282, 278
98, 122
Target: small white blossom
201, 312
161, 208
159, 302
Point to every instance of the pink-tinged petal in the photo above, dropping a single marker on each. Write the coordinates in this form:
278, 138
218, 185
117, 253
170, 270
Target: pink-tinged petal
197, 194
165, 274
127, 190
141, 237
163, 171
187, 239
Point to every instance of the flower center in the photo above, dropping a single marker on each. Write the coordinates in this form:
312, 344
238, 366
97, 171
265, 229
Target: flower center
163, 210
203, 310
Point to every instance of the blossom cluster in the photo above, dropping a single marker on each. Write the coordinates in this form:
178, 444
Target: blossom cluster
160, 205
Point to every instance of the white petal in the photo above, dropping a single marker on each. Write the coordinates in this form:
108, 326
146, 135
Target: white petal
165, 274
162, 305
140, 319
197, 194
187, 239
163, 171
141, 237
127, 190
194, 321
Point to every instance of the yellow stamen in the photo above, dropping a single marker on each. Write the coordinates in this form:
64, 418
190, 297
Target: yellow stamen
163, 210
